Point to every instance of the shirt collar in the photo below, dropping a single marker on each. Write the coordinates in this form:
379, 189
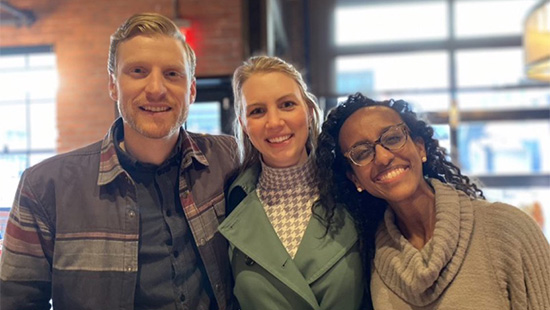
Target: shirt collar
109, 164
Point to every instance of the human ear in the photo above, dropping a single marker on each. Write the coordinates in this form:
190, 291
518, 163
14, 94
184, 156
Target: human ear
243, 125
351, 176
193, 91
420, 147
113, 92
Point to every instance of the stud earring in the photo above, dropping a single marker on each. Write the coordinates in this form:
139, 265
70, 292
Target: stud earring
359, 189
424, 159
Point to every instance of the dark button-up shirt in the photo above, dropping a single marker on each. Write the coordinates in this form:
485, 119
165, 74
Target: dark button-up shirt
73, 231
171, 275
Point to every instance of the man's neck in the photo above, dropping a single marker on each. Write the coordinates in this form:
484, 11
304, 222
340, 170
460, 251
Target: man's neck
148, 150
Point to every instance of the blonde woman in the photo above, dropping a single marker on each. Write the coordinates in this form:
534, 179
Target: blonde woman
281, 253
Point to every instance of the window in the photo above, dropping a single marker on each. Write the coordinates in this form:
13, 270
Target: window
459, 59
400, 22
28, 130
504, 147
212, 111
385, 72
204, 117
490, 17
490, 67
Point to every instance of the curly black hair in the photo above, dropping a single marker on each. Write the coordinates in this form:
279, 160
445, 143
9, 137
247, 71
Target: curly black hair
337, 191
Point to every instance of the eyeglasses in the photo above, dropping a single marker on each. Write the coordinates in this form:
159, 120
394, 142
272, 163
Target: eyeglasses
392, 139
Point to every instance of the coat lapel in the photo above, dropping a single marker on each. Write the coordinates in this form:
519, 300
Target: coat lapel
249, 229
318, 251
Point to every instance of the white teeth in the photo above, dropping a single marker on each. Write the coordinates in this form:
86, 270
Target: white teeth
392, 174
279, 139
155, 109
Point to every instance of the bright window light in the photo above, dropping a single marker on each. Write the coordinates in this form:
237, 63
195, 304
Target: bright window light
28, 123
490, 17
384, 23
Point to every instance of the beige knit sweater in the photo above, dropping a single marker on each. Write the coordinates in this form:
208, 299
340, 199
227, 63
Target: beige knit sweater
482, 256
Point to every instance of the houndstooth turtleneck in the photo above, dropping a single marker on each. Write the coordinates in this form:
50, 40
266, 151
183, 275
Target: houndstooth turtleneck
287, 195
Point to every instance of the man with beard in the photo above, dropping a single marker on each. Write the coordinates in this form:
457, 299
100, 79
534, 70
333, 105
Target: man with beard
129, 222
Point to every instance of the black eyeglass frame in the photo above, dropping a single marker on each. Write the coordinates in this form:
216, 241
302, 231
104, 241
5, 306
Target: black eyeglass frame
401, 126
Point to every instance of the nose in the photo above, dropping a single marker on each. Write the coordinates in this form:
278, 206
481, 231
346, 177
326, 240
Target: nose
382, 156
274, 120
155, 89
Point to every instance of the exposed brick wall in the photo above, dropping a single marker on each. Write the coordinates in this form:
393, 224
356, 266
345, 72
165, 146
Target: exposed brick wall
79, 33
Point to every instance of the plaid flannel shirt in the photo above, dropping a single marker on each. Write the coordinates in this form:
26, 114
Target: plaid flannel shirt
73, 231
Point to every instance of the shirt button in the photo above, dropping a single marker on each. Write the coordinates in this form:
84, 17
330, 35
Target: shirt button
202, 242
131, 213
129, 268
185, 194
168, 213
218, 287
249, 261
176, 253
182, 297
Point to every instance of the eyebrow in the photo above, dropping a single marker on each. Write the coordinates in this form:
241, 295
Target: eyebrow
144, 63
278, 100
287, 96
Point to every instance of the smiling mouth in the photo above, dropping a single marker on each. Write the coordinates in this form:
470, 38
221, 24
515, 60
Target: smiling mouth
155, 109
392, 174
279, 139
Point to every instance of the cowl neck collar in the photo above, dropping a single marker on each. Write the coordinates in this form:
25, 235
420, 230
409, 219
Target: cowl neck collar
420, 276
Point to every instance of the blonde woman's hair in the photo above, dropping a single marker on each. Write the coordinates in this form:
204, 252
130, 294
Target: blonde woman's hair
149, 24
248, 154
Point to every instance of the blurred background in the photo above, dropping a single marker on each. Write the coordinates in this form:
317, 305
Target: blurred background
479, 71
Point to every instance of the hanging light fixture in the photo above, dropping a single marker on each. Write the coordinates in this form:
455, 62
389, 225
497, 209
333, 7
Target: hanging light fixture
536, 42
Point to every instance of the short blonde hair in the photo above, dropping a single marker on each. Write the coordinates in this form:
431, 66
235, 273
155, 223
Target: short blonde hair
149, 24
248, 154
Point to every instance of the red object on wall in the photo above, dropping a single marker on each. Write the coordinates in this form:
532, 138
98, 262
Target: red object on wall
189, 37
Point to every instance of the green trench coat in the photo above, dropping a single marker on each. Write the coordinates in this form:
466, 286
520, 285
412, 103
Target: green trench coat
326, 272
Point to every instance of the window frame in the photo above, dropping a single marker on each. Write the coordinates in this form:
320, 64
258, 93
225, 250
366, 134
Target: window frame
323, 78
27, 102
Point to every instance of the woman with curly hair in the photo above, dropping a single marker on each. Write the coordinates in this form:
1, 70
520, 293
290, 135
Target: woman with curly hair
429, 240
281, 256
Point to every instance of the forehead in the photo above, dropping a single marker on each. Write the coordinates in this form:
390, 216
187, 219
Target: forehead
265, 87
366, 124
151, 48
